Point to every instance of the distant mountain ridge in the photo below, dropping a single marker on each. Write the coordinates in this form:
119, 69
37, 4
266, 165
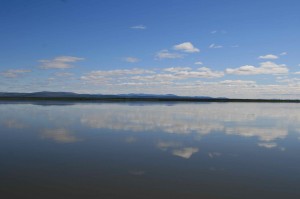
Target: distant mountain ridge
131, 97
47, 94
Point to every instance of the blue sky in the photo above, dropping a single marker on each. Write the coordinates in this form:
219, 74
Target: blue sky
230, 48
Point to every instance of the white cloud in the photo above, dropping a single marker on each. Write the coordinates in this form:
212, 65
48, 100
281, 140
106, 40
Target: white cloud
187, 47
283, 53
215, 46
13, 73
237, 82
157, 78
165, 54
269, 56
101, 76
265, 68
139, 27
64, 74
290, 81
186, 73
120, 72
198, 63
177, 69
61, 62
220, 31
205, 72
142, 77
131, 59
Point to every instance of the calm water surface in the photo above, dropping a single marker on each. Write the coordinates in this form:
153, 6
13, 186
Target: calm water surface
118, 150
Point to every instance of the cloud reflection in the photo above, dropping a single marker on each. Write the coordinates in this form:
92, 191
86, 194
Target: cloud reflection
263, 134
177, 148
263, 121
164, 145
59, 135
14, 124
185, 152
214, 154
267, 145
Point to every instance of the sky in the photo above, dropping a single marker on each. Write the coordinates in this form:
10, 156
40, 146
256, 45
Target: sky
218, 48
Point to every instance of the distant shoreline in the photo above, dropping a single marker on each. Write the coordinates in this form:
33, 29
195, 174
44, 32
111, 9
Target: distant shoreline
146, 99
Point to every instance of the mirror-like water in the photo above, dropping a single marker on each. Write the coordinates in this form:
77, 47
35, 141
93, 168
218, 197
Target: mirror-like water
115, 150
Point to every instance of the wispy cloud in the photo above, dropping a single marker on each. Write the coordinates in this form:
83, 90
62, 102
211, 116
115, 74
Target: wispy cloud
179, 73
142, 77
187, 47
64, 74
139, 27
101, 76
215, 46
203, 72
61, 62
198, 63
238, 82
269, 56
13, 73
283, 53
120, 72
131, 59
264, 68
216, 31
165, 54
177, 69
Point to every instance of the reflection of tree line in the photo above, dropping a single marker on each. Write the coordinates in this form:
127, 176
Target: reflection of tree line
145, 99
37, 102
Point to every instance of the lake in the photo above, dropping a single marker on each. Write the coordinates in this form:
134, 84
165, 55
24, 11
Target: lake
149, 150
